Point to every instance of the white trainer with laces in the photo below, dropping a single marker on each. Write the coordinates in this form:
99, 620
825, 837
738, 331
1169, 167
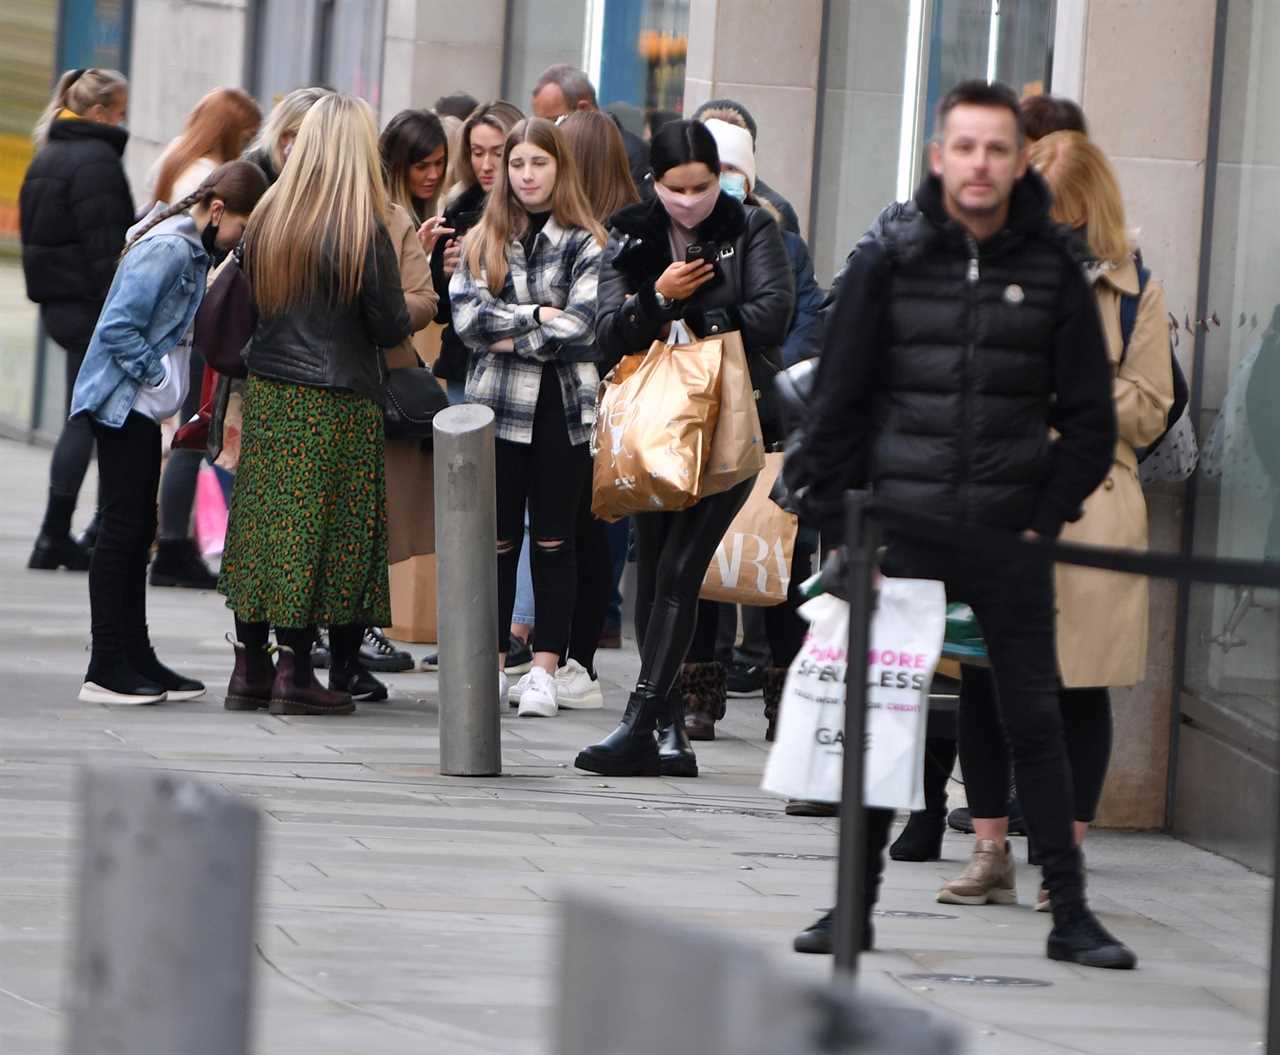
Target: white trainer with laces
576, 690
537, 691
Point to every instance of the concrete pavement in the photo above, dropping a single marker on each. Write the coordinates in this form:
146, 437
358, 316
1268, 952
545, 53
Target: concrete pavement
406, 912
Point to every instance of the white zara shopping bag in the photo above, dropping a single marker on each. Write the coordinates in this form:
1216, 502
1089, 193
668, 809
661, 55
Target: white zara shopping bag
807, 760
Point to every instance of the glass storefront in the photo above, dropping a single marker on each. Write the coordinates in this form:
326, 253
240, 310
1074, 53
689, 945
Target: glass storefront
1232, 663
27, 48
633, 50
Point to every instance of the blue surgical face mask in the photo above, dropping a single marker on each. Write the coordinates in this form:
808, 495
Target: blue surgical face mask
734, 184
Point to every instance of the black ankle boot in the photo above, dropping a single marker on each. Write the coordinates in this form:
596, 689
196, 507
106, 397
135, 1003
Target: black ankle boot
178, 563
55, 548
921, 839
819, 937
630, 750
1078, 937
675, 753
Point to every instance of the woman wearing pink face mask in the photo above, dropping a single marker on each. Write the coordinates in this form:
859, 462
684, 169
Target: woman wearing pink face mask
645, 288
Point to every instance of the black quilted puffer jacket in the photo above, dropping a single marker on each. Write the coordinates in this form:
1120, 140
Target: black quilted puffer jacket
75, 208
963, 379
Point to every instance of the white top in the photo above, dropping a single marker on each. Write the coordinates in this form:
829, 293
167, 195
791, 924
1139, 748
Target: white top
165, 399
186, 181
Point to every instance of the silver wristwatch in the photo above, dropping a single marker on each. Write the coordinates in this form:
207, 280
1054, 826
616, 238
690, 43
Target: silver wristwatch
664, 302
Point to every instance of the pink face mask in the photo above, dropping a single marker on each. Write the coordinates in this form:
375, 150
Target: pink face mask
688, 210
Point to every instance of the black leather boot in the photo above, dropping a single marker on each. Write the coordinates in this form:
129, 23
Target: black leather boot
921, 839
675, 753
775, 680
630, 750
55, 548
178, 563
1078, 937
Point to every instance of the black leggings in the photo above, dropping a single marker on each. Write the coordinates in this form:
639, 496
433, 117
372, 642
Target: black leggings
74, 449
673, 551
594, 561
782, 623
984, 754
548, 475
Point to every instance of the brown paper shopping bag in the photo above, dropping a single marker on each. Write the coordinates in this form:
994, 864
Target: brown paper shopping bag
752, 564
737, 448
653, 430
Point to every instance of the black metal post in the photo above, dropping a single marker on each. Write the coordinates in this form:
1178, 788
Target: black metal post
861, 542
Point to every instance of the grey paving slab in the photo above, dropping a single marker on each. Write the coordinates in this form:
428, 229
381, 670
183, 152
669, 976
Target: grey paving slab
403, 911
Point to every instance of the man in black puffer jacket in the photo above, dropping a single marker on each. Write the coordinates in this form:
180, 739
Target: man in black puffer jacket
966, 376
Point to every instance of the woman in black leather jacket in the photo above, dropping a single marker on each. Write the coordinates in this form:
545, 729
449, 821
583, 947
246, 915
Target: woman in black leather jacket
645, 287
307, 537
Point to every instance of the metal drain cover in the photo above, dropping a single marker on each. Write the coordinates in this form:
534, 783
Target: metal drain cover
903, 914
991, 981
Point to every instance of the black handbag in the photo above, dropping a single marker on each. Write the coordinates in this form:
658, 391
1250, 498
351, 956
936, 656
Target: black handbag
413, 396
226, 319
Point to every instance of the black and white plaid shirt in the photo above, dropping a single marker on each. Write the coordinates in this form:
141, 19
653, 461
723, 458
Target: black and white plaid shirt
561, 272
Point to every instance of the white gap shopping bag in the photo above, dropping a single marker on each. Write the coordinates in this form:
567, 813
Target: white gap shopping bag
807, 760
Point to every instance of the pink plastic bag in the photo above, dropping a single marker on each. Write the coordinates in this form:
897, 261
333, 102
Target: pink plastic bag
211, 513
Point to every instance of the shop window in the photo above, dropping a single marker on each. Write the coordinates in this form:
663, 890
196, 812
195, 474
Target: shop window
1232, 665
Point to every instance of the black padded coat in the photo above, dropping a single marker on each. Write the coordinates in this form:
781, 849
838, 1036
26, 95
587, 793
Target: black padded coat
75, 207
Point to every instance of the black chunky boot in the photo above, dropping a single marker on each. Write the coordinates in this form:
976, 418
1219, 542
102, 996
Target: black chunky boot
1078, 937
630, 750
921, 839
675, 753
178, 563
55, 548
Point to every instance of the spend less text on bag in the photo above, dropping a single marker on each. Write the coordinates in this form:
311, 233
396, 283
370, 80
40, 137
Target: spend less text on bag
807, 761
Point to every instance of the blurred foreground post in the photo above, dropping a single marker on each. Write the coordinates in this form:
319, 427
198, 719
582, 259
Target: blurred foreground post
164, 924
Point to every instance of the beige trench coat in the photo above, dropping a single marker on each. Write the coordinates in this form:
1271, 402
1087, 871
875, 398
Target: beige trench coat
410, 499
1102, 616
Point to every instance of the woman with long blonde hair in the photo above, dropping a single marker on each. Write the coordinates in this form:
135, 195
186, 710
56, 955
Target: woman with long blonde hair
272, 145
218, 130
307, 537
1102, 616
524, 302
74, 208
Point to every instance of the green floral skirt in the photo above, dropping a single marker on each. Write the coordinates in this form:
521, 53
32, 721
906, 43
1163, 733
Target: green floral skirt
307, 536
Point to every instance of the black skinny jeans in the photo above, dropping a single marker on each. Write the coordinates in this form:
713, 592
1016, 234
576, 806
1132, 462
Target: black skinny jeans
984, 755
548, 475
673, 551
128, 475
594, 584
1013, 600
783, 626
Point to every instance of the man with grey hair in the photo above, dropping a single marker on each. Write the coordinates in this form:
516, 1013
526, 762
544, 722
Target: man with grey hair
562, 89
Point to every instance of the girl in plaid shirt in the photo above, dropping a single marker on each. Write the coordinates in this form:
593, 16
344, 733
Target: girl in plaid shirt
524, 302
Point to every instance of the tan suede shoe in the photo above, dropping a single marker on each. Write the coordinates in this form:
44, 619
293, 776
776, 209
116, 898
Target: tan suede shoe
989, 879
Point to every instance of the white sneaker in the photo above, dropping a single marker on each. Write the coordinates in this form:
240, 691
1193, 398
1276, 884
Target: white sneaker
94, 693
576, 690
537, 691
504, 688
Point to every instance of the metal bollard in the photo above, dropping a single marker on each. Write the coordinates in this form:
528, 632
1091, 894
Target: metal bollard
164, 930
861, 541
467, 592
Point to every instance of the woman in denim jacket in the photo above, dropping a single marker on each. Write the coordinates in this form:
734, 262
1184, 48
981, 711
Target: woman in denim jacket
135, 376
524, 302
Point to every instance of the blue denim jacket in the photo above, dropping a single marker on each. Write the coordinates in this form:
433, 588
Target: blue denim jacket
152, 302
